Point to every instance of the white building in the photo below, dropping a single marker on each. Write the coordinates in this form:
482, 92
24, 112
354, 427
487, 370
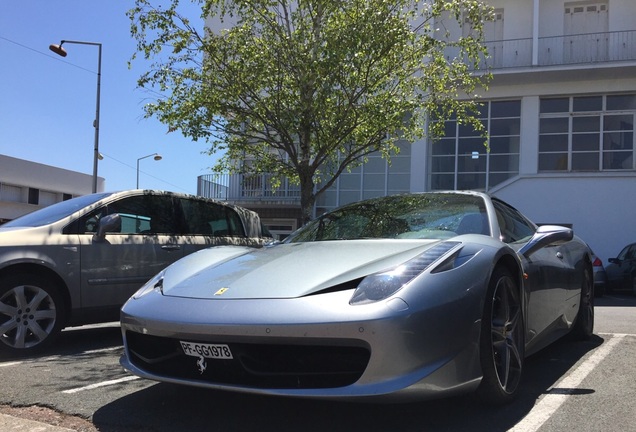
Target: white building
560, 114
27, 186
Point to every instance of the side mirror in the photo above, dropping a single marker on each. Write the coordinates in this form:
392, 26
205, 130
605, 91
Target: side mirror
546, 235
108, 223
614, 261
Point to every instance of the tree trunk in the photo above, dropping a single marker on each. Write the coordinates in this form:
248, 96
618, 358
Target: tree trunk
307, 197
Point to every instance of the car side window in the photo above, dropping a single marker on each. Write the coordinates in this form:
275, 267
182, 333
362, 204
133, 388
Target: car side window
630, 253
145, 214
212, 219
513, 226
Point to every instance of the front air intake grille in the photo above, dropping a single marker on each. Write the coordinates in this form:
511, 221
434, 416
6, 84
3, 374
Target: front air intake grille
282, 366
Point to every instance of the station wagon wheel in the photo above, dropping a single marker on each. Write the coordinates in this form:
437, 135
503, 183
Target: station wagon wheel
31, 313
502, 348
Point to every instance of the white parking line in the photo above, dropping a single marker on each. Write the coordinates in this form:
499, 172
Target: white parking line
564, 388
10, 364
101, 384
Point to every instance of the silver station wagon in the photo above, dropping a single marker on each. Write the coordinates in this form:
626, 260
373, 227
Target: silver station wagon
76, 262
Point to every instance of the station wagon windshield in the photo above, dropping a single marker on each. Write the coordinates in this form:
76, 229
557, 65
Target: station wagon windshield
55, 212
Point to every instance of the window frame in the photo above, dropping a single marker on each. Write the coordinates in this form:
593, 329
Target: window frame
230, 217
484, 176
81, 225
507, 212
571, 158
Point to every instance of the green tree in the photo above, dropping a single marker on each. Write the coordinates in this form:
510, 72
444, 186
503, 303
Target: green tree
307, 89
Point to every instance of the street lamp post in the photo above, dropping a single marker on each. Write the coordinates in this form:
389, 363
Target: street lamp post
157, 157
57, 49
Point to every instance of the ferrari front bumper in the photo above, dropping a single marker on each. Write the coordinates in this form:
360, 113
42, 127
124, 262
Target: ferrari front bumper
306, 346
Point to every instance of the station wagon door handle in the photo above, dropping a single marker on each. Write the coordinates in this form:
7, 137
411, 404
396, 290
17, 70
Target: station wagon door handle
171, 247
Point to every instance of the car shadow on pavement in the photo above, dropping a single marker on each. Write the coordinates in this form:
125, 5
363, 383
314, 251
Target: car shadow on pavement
166, 407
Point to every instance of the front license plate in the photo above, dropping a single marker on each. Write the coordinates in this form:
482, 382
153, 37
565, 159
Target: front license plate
211, 351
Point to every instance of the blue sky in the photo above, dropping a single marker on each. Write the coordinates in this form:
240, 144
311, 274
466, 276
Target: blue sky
47, 103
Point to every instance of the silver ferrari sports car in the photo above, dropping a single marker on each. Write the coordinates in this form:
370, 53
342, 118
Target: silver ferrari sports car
418, 295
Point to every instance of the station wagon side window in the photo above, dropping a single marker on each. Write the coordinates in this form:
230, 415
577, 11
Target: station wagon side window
212, 219
143, 214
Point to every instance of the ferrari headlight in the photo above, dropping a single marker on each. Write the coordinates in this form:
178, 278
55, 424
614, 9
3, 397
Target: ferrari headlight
379, 286
155, 283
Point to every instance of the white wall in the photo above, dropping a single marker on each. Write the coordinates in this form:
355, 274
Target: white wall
600, 209
622, 14
551, 18
598, 205
517, 17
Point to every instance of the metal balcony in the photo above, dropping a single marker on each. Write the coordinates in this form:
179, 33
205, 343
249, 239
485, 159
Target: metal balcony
247, 188
587, 48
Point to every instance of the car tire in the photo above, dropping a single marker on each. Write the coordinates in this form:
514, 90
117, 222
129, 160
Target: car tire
31, 313
502, 340
583, 328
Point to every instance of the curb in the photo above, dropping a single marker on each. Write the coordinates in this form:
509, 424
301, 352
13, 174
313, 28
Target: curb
9, 423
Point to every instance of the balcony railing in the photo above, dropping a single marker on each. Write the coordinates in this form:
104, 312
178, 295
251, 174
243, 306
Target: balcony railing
247, 188
562, 50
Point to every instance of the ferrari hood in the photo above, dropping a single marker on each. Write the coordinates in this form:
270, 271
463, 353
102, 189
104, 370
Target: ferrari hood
285, 270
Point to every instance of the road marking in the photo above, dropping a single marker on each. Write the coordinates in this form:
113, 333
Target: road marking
551, 402
101, 384
10, 364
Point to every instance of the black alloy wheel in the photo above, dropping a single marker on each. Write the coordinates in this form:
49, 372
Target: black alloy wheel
502, 343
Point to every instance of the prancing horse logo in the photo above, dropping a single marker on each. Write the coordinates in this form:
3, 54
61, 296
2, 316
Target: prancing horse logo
202, 364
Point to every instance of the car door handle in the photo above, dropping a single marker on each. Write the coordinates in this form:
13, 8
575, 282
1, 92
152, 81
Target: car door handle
559, 255
170, 247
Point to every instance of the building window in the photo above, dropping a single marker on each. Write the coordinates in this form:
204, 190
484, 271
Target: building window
462, 160
280, 228
47, 198
587, 133
10, 193
34, 196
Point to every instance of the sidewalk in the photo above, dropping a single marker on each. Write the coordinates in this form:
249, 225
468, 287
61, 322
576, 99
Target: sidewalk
9, 423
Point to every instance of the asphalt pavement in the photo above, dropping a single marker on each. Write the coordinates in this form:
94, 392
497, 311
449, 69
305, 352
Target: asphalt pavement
619, 308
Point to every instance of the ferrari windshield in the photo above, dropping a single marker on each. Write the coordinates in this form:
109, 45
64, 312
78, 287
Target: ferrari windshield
55, 212
416, 216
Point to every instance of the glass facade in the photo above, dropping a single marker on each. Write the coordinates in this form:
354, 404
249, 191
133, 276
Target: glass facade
462, 159
587, 133
375, 178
